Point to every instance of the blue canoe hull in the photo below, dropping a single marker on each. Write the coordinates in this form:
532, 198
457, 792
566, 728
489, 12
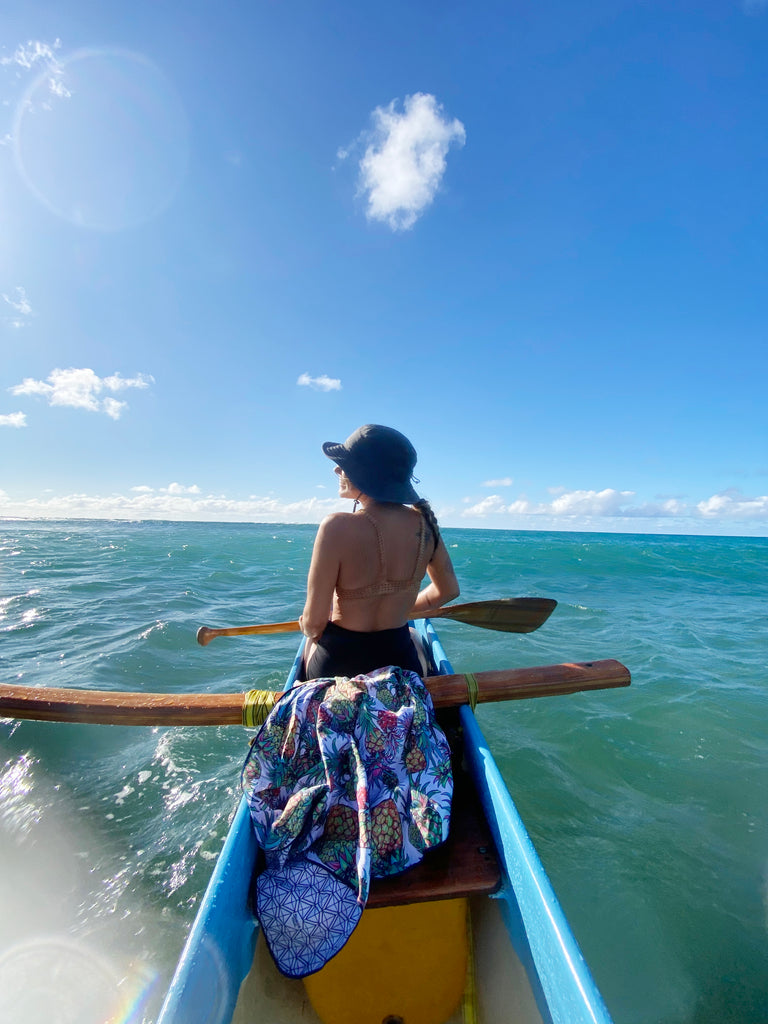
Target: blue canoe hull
219, 951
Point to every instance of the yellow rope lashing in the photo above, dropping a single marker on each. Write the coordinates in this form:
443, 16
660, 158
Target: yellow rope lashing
471, 689
256, 706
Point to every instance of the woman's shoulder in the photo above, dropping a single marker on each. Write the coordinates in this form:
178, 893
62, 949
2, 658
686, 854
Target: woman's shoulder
348, 523
336, 523
341, 533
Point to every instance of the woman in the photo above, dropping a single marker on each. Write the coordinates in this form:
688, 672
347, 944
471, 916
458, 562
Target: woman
367, 565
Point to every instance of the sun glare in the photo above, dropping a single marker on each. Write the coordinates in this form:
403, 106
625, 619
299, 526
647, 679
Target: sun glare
100, 138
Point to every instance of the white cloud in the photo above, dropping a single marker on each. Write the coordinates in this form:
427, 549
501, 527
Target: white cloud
29, 55
165, 503
727, 513
607, 502
504, 481
492, 505
175, 488
734, 505
58, 88
20, 305
118, 383
81, 388
321, 383
36, 56
404, 163
589, 507
113, 408
13, 419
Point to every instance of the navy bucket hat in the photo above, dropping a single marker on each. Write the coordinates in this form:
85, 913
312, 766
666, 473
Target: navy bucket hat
379, 460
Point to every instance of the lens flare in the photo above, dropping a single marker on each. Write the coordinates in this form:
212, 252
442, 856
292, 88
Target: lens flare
52, 980
101, 139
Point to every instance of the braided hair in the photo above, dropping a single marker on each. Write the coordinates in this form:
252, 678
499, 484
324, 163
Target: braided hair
425, 508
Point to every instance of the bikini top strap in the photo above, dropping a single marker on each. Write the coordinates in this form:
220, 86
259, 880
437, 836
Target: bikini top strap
382, 585
380, 541
422, 544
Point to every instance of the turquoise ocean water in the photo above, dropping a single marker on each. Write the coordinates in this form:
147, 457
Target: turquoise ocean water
647, 805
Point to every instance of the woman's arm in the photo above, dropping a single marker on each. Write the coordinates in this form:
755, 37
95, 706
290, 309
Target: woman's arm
321, 582
443, 585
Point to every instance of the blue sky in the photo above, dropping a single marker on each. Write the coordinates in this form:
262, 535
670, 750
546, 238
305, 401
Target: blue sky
533, 237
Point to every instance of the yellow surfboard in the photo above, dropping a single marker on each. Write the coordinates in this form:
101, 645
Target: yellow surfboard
401, 965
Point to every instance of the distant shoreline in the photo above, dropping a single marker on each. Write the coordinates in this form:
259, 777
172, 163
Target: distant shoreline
488, 528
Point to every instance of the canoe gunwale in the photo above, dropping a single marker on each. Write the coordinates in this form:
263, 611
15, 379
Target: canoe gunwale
538, 929
219, 949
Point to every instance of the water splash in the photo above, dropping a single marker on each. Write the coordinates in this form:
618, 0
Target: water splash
19, 812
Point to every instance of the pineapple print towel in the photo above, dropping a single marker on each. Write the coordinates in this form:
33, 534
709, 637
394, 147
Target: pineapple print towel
347, 779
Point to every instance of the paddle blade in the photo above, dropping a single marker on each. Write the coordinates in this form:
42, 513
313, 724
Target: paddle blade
506, 614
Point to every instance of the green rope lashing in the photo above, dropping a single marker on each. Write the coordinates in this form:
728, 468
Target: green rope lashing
256, 706
471, 689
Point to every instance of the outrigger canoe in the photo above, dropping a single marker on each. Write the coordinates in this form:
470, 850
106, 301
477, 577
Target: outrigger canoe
473, 934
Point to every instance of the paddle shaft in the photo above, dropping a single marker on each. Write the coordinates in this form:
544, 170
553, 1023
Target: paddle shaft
507, 614
105, 707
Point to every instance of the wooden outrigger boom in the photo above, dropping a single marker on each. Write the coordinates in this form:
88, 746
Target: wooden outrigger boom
108, 707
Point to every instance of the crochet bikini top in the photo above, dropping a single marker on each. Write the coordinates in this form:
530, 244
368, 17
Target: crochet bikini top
382, 584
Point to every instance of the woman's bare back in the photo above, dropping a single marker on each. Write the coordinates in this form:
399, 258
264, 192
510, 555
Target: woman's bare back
386, 550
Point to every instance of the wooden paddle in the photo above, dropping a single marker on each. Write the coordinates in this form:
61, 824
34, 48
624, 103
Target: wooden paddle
106, 707
507, 614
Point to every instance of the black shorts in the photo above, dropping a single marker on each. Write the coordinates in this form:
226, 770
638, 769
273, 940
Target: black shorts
347, 652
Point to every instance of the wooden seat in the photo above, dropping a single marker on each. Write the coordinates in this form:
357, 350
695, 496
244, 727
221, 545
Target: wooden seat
465, 865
